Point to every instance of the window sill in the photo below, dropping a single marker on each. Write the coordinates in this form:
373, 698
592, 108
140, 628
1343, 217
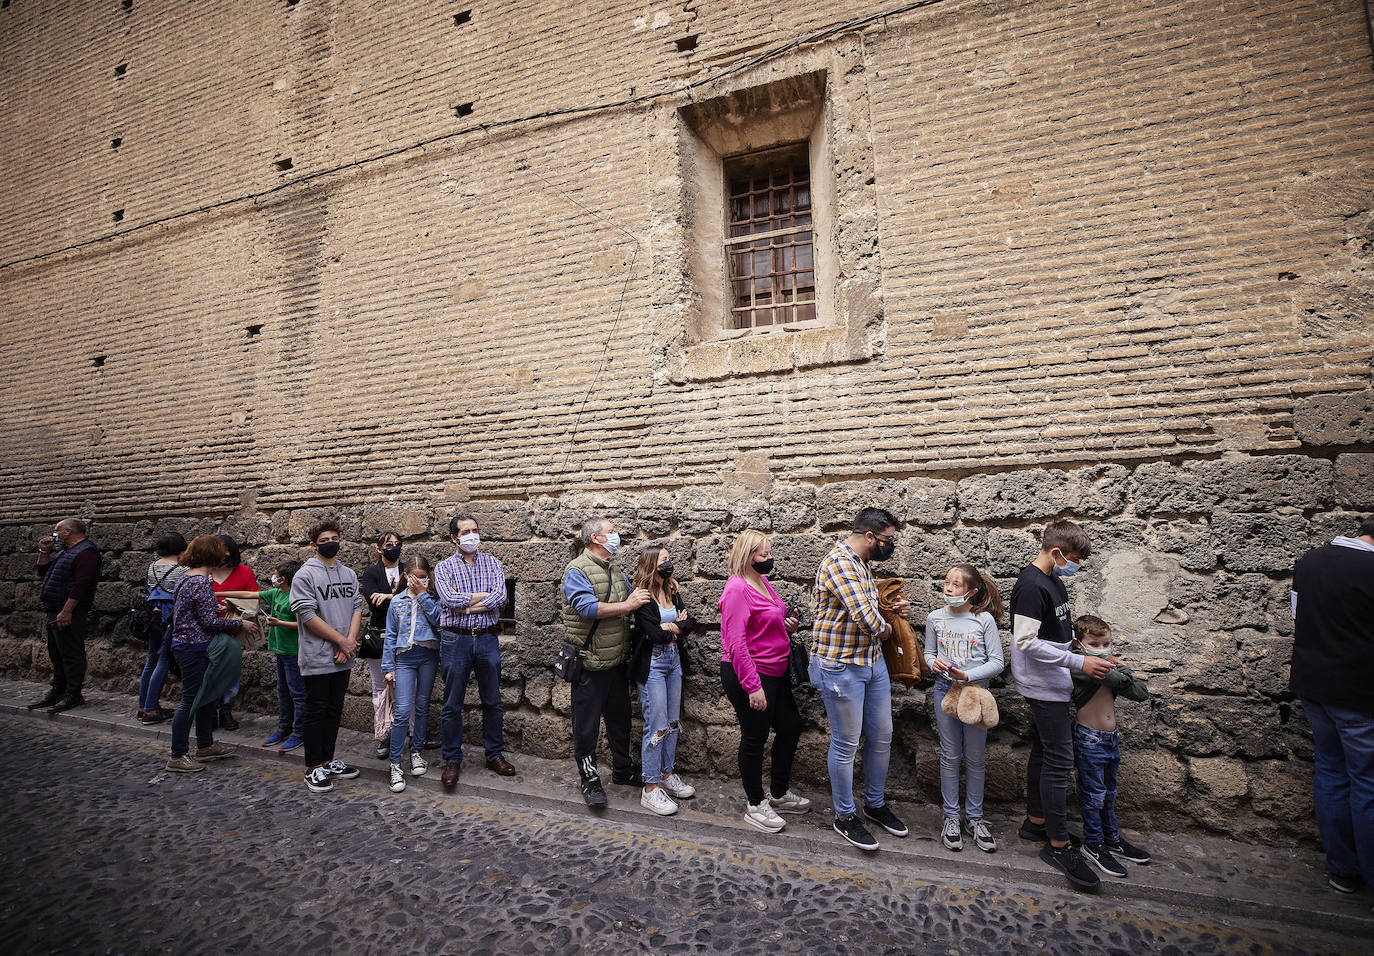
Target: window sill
774, 349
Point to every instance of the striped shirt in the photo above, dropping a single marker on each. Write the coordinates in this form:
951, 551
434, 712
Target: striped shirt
847, 619
457, 581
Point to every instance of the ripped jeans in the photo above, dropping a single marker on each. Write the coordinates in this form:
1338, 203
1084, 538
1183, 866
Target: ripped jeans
661, 699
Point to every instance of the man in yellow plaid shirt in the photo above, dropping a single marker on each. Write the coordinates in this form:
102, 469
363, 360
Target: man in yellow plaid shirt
847, 668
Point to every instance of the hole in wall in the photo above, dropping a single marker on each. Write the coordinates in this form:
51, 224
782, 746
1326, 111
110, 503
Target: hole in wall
461, 18
292, 3
98, 361
253, 331
119, 215
687, 44
463, 109
4, 4
128, 5
121, 69
116, 142
284, 164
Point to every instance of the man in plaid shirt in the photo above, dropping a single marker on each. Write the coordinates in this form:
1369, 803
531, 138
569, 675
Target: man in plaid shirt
472, 592
847, 667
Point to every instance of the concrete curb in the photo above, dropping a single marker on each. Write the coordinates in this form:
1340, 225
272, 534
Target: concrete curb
803, 838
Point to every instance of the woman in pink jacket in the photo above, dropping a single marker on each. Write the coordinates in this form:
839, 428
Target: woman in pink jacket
755, 636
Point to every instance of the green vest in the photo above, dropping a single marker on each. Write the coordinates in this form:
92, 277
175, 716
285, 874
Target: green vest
611, 642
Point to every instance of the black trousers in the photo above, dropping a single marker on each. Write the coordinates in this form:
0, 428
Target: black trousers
601, 694
1050, 764
67, 651
780, 716
324, 698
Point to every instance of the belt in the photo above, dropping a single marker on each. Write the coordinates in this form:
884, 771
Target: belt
470, 631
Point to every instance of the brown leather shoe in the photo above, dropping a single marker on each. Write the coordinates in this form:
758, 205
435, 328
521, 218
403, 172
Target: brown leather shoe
501, 765
450, 776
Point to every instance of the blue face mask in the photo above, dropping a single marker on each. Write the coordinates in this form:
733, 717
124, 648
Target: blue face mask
1068, 570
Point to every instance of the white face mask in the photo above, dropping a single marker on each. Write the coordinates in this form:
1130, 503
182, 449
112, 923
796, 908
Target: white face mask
1095, 651
276, 581
612, 544
421, 583
956, 600
468, 543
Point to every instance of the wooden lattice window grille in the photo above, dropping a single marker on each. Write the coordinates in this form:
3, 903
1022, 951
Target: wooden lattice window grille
772, 275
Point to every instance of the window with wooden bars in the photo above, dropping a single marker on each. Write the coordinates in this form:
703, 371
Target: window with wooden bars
769, 242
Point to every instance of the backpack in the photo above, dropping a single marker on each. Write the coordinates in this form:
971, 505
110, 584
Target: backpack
150, 607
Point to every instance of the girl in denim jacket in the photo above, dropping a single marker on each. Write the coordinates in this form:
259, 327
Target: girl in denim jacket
410, 658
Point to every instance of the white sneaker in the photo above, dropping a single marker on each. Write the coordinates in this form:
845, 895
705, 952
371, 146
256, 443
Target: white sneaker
982, 835
677, 787
658, 801
949, 834
417, 764
398, 778
762, 816
789, 802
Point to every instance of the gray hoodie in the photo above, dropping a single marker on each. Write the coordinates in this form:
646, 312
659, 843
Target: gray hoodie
331, 594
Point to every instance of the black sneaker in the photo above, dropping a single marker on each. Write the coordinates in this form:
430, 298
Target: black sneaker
1035, 832
855, 832
1067, 860
344, 771
885, 818
383, 749
593, 793
1128, 851
50, 698
1101, 857
1344, 884
634, 777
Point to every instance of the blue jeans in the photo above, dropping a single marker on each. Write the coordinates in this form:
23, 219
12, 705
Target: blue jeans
459, 656
290, 695
1343, 787
192, 664
960, 743
858, 701
155, 667
415, 667
1097, 756
661, 699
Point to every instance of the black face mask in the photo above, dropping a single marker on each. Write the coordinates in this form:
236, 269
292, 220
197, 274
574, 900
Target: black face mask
882, 550
327, 549
666, 570
764, 567
392, 553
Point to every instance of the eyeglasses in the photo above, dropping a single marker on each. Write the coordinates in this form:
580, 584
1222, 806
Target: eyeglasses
889, 539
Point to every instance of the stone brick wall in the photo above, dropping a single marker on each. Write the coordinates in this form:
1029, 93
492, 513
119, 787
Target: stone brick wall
1108, 258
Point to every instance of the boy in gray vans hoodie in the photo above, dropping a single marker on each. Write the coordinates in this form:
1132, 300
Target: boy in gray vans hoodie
328, 605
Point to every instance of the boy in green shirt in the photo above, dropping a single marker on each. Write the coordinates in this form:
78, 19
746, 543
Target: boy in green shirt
282, 642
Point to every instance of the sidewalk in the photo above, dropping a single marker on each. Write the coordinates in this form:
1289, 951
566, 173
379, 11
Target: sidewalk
1202, 873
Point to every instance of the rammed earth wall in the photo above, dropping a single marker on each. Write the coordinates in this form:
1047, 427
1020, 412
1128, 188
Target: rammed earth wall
1104, 258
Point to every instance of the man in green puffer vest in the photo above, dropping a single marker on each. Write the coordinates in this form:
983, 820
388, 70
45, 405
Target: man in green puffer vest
597, 603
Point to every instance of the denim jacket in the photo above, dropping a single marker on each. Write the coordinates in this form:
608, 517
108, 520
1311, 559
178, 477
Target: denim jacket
424, 610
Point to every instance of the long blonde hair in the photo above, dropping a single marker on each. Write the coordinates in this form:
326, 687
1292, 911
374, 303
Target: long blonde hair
748, 542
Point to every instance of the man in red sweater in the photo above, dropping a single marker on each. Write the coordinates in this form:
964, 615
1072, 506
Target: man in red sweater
69, 566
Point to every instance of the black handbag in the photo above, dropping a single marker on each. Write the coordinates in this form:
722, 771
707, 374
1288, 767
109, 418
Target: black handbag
371, 643
798, 664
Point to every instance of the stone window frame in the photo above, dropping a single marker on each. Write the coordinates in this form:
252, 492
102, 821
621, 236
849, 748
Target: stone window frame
821, 98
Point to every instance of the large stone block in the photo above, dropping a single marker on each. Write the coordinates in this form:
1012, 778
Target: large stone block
701, 512
654, 513
1281, 789
528, 561
796, 556
1346, 418
1033, 493
712, 556
1191, 541
839, 501
793, 507
1264, 661
929, 502
1354, 479
926, 555
1008, 552
249, 530
1259, 542
1151, 780
1160, 487
409, 521
754, 513
1264, 482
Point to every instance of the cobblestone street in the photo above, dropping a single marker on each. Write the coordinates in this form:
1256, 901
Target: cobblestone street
106, 853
